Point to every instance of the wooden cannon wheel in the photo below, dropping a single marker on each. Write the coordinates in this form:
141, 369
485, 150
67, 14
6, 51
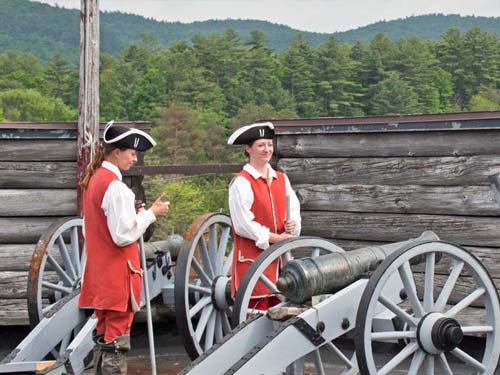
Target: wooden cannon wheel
286, 250
432, 327
202, 281
55, 271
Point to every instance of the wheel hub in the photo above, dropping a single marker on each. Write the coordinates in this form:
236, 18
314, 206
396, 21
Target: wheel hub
437, 333
221, 292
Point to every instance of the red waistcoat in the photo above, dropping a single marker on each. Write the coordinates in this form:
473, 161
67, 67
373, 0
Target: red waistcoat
112, 276
269, 209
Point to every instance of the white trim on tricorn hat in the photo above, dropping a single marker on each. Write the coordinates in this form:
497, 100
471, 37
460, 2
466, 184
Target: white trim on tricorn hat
249, 133
121, 136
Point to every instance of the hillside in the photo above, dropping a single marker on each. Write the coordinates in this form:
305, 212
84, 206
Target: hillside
42, 29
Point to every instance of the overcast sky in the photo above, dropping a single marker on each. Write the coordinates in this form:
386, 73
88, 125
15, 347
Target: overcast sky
308, 15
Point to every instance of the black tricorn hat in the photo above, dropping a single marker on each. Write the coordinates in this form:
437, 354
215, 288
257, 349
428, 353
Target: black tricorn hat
121, 136
248, 134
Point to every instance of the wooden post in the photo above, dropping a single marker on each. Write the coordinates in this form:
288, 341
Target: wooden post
88, 100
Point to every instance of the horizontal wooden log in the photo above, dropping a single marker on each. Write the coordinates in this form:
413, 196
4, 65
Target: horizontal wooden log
38, 202
446, 200
13, 284
13, 312
16, 257
23, 230
426, 171
465, 230
38, 175
38, 150
409, 143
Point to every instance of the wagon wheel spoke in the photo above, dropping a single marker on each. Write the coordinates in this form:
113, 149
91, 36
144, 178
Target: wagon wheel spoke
466, 302
443, 362
226, 270
341, 356
59, 288
210, 331
207, 262
416, 362
398, 311
429, 365
400, 357
68, 265
64, 344
430, 261
205, 279
212, 246
66, 279
393, 335
219, 331
477, 329
318, 363
200, 289
75, 251
199, 306
449, 286
406, 275
202, 323
226, 326
468, 359
315, 252
221, 251
272, 287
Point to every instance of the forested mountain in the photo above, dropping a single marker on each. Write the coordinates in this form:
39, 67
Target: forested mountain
42, 29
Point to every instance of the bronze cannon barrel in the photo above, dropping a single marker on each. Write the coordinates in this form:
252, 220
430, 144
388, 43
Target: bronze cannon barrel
171, 244
306, 277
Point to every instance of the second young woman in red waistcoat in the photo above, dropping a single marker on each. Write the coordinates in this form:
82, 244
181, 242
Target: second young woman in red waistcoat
257, 203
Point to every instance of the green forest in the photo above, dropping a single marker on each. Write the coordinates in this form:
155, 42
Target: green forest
195, 94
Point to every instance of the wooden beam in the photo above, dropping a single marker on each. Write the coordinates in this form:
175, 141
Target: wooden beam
404, 144
88, 98
464, 230
36, 150
42, 175
38, 202
414, 199
425, 171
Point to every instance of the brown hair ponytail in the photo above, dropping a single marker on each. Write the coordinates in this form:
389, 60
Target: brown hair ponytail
100, 153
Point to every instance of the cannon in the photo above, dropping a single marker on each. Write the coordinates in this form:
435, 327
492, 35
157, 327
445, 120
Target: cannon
415, 296
61, 338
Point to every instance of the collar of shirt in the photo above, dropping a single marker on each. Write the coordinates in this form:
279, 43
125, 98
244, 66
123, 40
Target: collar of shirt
253, 172
113, 168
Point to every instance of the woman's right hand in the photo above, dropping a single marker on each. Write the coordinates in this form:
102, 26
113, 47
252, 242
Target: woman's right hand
274, 238
160, 208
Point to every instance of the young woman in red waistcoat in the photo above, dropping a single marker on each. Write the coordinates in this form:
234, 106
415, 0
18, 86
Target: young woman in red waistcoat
112, 276
257, 203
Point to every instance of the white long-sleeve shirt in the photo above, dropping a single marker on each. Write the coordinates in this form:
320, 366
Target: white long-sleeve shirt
124, 223
241, 199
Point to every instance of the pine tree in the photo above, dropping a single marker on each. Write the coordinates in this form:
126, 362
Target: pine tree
394, 96
298, 76
417, 64
337, 89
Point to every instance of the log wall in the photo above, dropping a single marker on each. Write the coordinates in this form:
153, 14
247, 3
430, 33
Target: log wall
377, 180
37, 186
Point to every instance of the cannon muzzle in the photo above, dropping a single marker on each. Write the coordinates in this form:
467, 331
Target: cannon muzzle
306, 277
